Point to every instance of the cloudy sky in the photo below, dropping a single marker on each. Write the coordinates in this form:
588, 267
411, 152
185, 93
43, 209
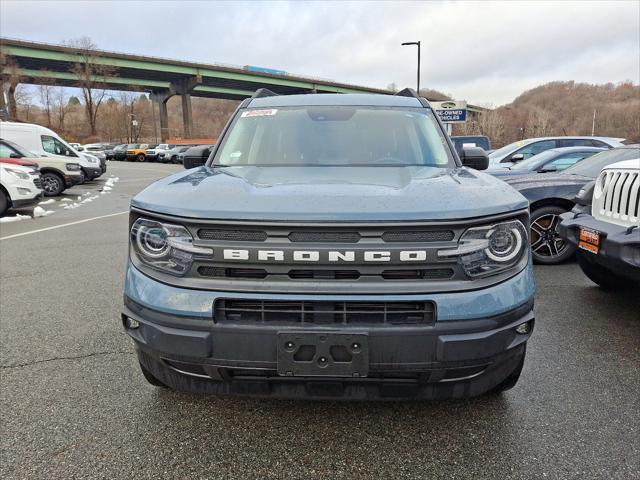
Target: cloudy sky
486, 53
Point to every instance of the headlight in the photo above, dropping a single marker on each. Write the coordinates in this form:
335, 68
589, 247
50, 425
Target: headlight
73, 167
165, 247
18, 174
490, 249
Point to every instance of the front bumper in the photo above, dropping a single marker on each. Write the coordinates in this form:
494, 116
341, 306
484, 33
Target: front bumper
460, 355
25, 202
92, 172
619, 246
71, 180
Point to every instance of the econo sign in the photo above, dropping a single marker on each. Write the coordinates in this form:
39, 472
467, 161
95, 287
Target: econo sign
451, 111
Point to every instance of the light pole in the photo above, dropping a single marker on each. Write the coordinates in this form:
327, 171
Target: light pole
418, 44
132, 124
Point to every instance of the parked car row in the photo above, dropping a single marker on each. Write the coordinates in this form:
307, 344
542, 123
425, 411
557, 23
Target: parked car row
144, 152
551, 186
52, 165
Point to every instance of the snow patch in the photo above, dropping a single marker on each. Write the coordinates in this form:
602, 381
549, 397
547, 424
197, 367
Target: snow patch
47, 202
41, 212
17, 218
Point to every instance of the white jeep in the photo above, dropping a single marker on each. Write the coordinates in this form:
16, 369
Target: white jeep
608, 240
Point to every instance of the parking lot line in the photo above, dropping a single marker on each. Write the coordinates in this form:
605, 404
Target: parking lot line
63, 225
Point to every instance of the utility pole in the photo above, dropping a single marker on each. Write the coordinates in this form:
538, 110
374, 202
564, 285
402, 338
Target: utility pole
593, 124
418, 45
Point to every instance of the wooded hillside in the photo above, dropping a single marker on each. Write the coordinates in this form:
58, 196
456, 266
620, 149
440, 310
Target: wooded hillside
563, 108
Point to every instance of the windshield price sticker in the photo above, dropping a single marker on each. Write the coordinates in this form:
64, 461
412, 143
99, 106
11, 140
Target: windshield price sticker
259, 113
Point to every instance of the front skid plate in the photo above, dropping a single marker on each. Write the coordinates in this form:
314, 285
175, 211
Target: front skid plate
323, 354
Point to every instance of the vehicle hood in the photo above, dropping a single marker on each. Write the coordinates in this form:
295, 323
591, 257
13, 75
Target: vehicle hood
505, 172
633, 164
330, 194
522, 182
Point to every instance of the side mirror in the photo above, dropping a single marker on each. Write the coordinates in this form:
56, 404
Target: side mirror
475, 157
15, 155
196, 157
518, 157
548, 168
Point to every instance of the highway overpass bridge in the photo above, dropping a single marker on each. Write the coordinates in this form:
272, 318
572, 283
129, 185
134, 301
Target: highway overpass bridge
40, 63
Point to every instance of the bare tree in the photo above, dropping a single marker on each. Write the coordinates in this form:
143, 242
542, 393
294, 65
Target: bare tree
60, 104
46, 93
92, 78
23, 102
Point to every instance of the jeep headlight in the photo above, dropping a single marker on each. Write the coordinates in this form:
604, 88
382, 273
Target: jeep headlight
490, 249
164, 247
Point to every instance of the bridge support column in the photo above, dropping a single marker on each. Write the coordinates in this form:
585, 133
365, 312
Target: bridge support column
184, 88
4, 114
187, 117
11, 100
161, 99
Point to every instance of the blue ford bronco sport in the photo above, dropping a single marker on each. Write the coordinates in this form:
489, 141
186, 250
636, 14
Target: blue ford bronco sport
331, 246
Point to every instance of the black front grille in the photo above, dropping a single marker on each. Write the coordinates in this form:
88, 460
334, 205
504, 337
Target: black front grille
325, 274
420, 274
324, 313
418, 236
37, 182
326, 237
232, 235
208, 271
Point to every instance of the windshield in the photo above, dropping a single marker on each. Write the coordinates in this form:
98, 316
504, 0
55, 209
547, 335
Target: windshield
591, 167
501, 152
535, 162
21, 151
335, 136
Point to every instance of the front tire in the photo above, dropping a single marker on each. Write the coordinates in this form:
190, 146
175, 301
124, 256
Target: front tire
4, 203
52, 184
140, 157
547, 247
605, 278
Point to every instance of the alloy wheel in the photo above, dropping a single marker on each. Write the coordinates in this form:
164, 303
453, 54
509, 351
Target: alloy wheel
50, 184
545, 240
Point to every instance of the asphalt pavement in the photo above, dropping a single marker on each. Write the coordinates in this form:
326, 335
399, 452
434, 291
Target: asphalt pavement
73, 403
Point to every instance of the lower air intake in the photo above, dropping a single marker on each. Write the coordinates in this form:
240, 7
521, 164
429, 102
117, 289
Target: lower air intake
309, 312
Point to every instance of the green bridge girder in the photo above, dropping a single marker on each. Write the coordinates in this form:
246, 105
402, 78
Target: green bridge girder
54, 59
40, 63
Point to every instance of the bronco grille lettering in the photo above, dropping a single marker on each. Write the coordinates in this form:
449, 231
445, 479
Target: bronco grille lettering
333, 256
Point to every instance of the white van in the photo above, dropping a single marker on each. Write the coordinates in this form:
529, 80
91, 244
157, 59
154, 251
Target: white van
45, 142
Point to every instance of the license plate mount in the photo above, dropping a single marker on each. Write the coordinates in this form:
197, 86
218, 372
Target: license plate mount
589, 240
323, 354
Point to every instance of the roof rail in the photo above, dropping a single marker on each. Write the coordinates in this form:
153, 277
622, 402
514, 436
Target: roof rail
263, 92
407, 92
